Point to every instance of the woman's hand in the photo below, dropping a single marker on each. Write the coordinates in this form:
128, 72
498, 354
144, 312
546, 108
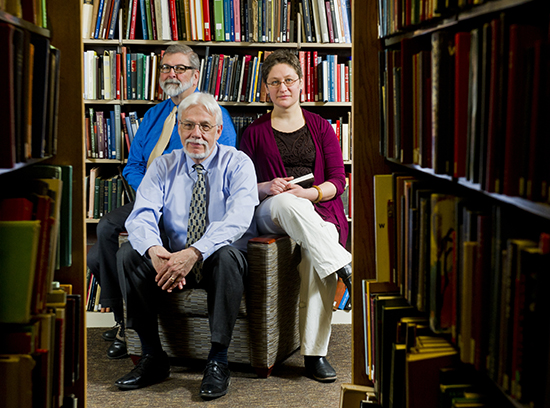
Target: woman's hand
276, 186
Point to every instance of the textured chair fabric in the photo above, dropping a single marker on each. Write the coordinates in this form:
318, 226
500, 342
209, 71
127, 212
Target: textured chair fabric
266, 330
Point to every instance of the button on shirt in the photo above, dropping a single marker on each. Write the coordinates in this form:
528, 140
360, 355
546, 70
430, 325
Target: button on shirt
152, 124
231, 191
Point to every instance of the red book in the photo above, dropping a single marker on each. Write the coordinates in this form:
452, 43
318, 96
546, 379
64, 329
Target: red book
7, 102
315, 76
329, 21
173, 19
124, 68
219, 77
237, 8
246, 67
302, 58
153, 20
42, 213
538, 140
125, 131
118, 74
338, 82
495, 131
522, 37
133, 20
16, 209
462, 71
346, 80
308, 76
208, 21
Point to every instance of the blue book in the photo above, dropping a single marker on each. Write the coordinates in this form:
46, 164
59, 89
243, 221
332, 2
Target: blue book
143, 19
346, 19
108, 135
344, 300
227, 20
331, 79
129, 129
99, 15
113, 135
206, 82
128, 76
231, 21
114, 18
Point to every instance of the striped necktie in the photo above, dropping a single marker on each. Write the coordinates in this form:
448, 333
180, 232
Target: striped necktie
164, 138
197, 216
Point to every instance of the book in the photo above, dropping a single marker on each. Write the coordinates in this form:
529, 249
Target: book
19, 248
16, 387
462, 58
384, 223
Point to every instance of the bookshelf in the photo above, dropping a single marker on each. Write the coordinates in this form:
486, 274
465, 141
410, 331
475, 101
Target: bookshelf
63, 32
451, 151
237, 50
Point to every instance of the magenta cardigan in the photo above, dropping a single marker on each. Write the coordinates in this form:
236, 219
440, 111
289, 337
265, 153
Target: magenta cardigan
259, 143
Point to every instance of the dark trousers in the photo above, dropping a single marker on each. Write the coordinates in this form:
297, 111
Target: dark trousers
222, 278
102, 257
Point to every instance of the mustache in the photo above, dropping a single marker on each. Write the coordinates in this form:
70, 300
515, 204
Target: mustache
199, 141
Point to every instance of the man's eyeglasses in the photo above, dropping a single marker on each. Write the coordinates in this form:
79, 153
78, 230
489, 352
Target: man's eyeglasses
178, 69
288, 83
204, 127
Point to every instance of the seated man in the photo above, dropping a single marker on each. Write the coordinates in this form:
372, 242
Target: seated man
206, 194
178, 78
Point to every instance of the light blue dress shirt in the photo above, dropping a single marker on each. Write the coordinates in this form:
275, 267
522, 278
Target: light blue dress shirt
149, 132
231, 191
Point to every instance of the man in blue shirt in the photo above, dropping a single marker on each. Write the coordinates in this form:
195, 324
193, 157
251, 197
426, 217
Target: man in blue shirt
178, 78
212, 259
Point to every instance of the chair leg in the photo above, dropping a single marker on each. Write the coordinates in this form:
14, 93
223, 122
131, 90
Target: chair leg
263, 372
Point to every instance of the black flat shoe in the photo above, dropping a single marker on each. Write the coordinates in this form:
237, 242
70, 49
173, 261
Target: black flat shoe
110, 335
216, 380
117, 349
319, 369
149, 370
345, 274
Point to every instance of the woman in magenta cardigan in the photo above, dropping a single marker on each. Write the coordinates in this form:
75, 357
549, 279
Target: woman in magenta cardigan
285, 144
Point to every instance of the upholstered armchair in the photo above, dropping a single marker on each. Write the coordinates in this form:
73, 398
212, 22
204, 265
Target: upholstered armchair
266, 331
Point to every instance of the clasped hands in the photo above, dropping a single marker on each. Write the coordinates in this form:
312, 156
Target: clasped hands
172, 268
282, 185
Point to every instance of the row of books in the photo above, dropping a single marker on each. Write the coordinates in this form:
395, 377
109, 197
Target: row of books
491, 132
93, 293
326, 21
29, 83
398, 16
409, 365
105, 192
478, 272
109, 134
132, 76
34, 12
41, 359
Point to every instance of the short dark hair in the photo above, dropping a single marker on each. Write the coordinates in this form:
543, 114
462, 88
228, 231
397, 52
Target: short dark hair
281, 56
185, 50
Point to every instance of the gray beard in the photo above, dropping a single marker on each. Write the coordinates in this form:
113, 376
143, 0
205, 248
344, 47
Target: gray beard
197, 155
173, 87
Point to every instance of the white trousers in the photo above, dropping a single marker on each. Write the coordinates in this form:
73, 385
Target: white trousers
322, 255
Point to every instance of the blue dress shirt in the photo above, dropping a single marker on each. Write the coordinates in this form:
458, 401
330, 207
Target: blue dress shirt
231, 191
149, 132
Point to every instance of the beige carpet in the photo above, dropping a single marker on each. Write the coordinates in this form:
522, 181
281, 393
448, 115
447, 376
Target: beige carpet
286, 387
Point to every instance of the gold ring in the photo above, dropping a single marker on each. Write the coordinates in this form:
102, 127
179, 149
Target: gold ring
172, 279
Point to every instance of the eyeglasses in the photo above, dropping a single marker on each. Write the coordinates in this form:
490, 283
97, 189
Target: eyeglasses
204, 127
288, 83
178, 69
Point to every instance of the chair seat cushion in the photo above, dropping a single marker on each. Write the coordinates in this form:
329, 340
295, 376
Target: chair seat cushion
192, 303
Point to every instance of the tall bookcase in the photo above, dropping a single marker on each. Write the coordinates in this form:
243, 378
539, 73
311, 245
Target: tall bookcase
63, 32
447, 143
330, 110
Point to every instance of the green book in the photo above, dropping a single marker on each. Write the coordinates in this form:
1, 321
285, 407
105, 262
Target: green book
149, 22
139, 68
18, 253
219, 23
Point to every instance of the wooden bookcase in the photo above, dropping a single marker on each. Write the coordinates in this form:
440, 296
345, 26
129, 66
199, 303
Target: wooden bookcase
527, 216
63, 31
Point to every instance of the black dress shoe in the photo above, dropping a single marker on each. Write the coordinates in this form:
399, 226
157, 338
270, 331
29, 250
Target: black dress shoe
149, 370
345, 274
110, 335
319, 368
216, 380
117, 349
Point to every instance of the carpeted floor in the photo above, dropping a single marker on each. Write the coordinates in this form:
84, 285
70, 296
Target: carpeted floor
286, 387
